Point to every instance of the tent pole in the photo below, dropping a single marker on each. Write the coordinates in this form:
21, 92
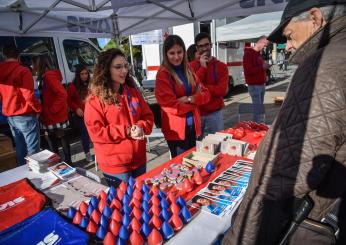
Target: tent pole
114, 18
131, 56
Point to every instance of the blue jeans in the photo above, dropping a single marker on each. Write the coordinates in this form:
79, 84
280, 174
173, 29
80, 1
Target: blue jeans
116, 179
176, 147
212, 123
257, 96
26, 134
79, 121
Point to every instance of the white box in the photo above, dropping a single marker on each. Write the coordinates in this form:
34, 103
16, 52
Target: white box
199, 159
234, 147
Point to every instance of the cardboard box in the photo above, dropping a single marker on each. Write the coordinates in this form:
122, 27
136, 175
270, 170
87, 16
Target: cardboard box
234, 147
5, 144
7, 161
207, 147
199, 159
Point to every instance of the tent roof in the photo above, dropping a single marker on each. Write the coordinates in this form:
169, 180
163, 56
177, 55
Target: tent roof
249, 28
110, 18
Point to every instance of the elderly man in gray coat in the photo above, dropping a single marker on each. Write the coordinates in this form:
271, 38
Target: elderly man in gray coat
304, 152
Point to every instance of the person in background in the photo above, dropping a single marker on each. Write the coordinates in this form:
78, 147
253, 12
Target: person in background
213, 74
179, 93
19, 104
77, 92
281, 59
255, 71
117, 118
54, 117
304, 152
192, 53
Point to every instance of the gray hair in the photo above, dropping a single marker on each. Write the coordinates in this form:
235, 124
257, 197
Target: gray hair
329, 12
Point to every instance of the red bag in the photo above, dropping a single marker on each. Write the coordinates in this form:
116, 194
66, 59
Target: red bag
19, 201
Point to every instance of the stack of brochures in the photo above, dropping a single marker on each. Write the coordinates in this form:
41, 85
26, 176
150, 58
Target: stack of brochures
223, 195
41, 161
62, 170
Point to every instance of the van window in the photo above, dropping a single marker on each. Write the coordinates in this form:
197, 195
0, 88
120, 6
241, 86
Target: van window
79, 52
32, 46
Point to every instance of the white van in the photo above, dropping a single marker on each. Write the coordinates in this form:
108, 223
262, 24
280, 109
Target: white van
231, 53
64, 52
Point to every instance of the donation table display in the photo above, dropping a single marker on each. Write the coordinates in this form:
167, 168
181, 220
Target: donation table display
190, 198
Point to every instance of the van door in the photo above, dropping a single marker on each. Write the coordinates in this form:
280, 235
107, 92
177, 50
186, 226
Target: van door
76, 51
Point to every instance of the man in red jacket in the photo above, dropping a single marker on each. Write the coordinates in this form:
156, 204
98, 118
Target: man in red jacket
19, 104
255, 71
214, 76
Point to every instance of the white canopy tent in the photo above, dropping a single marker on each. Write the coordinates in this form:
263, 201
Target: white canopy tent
249, 28
112, 18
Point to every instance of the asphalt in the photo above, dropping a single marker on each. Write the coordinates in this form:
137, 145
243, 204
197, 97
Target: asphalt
157, 149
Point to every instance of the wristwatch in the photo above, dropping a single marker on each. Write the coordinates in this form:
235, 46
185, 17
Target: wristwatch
189, 99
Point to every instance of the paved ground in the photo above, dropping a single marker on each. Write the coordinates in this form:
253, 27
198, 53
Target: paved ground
159, 153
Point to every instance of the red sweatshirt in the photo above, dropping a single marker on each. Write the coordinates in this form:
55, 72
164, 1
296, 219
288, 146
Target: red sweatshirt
253, 63
215, 78
173, 113
74, 100
17, 90
107, 126
54, 99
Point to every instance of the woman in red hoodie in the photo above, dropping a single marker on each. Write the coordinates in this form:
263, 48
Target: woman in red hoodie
54, 117
117, 118
77, 92
179, 93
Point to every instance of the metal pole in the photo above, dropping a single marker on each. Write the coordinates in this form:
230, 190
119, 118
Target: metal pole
131, 56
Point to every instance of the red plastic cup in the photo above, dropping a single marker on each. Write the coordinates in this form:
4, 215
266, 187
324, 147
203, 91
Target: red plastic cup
116, 204
155, 238
156, 222
114, 226
176, 222
83, 208
136, 238
116, 216
92, 227
77, 218
103, 195
109, 239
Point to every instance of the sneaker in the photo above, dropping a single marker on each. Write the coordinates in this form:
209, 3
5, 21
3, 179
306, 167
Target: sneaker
89, 157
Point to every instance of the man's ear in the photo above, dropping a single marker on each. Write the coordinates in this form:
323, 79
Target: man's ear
317, 17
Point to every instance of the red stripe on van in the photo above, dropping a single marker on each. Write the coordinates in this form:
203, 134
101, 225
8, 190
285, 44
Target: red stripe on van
153, 68
235, 63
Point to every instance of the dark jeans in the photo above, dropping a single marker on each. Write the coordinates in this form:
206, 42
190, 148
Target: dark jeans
79, 122
116, 179
57, 137
176, 147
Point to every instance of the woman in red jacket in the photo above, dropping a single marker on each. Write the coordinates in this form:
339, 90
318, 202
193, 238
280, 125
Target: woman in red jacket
179, 93
77, 92
117, 118
54, 117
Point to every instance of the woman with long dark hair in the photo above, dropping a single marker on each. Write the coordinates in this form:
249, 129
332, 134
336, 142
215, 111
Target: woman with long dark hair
117, 118
77, 92
179, 93
54, 117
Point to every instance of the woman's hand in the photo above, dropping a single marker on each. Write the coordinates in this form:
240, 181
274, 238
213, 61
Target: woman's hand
136, 132
183, 99
79, 112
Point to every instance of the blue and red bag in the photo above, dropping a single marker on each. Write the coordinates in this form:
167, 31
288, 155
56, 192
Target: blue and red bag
18, 201
46, 227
